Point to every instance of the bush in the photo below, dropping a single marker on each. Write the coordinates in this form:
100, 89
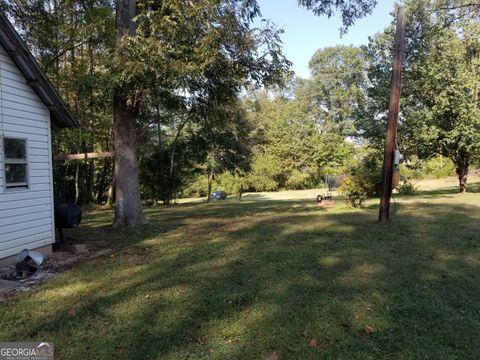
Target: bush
354, 192
266, 170
228, 182
197, 188
157, 183
368, 173
439, 167
412, 169
297, 180
407, 188
436, 167
162, 179
364, 181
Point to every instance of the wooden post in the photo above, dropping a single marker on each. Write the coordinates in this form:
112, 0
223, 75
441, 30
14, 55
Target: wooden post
394, 108
84, 156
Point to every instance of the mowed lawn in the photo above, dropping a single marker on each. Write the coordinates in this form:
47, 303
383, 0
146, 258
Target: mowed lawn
269, 279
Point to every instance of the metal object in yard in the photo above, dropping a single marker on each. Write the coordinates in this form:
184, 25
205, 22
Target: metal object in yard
29, 262
67, 216
395, 178
332, 183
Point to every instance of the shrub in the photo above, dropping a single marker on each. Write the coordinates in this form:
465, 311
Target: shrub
353, 190
297, 180
197, 188
436, 167
368, 173
413, 169
406, 188
439, 167
364, 181
266, 170
157, 183
228, 182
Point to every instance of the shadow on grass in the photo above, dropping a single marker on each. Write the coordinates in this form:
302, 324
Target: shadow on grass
259, 280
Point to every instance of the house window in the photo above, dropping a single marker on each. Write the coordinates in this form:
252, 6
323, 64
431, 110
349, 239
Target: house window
15, 157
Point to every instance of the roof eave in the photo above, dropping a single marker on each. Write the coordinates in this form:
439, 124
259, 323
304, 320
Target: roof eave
21, 56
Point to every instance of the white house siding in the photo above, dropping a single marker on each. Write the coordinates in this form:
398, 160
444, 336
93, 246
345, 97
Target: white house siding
26, 215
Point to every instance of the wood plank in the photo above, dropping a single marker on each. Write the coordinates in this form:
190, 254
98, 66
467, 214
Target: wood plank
33, 124
12, 88
84, 156
26, 135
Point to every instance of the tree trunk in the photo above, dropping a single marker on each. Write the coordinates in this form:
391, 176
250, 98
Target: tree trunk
77, 187
462, 173
128, 204
111, 190
101, 184
90, 181
174, 143
209, 186
240, 192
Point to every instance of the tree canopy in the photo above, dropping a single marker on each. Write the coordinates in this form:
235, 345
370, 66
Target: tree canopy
349, 10
211, 101
439, 108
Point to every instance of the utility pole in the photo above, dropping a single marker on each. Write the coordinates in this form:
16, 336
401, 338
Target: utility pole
392, 122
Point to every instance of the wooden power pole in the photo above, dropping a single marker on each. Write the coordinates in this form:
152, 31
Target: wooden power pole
394, 108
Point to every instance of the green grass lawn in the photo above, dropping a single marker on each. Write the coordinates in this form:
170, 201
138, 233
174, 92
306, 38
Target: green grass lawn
262, 278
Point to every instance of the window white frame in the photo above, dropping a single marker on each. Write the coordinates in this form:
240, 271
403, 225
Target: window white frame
23, 161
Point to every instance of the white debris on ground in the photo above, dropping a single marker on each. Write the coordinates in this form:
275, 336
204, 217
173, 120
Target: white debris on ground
55, 263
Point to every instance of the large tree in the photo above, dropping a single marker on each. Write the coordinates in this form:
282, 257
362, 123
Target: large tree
439, 107
128, 204
446, 114
200, 62
189, 54
350, 10
337, 88
292, 149
71, 40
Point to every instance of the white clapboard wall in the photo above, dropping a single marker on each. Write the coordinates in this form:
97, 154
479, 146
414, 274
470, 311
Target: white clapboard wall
26, 215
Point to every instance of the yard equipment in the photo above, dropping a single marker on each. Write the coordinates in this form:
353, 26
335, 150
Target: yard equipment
332, 183
67, 216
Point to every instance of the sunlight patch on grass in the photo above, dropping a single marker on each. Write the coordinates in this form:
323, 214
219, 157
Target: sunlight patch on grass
362, 275
63, 293
329, 261
248, 279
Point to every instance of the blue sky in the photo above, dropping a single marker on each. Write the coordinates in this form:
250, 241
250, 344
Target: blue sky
305, 33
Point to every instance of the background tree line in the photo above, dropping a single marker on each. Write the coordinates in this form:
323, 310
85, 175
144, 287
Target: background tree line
335, 121
215, 106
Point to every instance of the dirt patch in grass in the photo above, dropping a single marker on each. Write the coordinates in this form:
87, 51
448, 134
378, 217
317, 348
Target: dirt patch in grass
56, 263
